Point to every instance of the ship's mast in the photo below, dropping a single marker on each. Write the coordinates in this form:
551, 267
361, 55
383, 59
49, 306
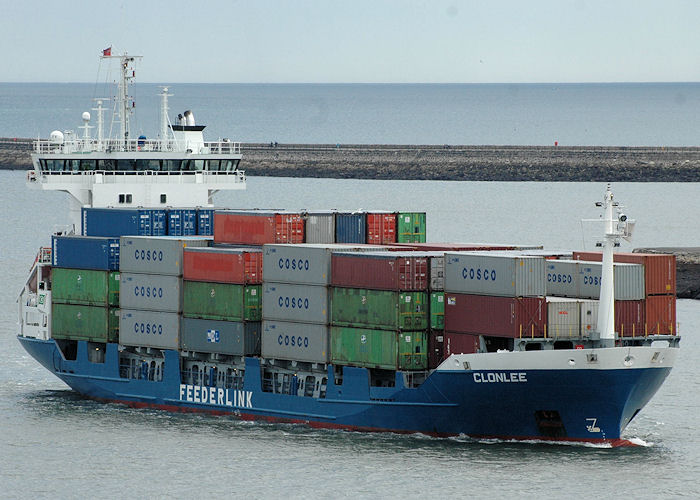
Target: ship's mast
124, 105
164, 122
615, 228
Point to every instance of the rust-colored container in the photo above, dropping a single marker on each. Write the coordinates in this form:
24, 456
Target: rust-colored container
498, 316
436, 348
659, 269
654, 316
257, 228
380, 271
223, 265
454, 247
381, 228
459, 343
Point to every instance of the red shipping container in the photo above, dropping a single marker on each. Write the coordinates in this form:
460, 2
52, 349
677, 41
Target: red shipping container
453, 247
223, 265
257, 228
381, 228
460, 343
380, 271
436, 348
498, 316
654, 316
659, 269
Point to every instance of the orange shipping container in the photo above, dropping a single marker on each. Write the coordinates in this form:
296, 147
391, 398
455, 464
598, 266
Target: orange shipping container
659, 269
654, 316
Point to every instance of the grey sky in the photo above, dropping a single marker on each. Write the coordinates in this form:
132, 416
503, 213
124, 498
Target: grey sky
356, 41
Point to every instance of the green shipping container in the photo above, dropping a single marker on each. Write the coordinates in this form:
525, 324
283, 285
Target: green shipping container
363, 347
387, 310
410, 227
371, 348
413, 350
84, 286
81, 322
253, 303
222, 301
437, 310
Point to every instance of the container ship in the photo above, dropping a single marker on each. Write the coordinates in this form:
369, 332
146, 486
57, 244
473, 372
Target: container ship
153, 297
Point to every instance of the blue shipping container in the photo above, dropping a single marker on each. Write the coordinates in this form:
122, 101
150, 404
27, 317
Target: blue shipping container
117, 222
351, 228
205, 221
85, 252
182, 221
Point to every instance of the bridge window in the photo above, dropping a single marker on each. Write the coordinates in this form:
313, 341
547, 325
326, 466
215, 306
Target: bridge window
213, 165
171, 165
126, 165
73, 165
109, 165
87, 165
142, 165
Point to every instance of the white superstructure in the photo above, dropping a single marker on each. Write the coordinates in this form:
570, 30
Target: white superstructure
179, 168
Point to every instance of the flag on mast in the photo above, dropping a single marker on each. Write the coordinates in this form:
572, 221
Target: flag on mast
107, 51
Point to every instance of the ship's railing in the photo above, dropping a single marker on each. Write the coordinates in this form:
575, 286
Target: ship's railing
90, 177
72, 146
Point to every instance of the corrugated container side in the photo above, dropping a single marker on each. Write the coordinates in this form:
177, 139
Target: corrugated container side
413, 350
150, 292
589, 316
381, 228
223, 265
85, 286
628, 278
380, 271
659, 269
495, 274
85, 252
218, 301
350, 228
366, 347
223, 337
205, 221
382, 309
156, 255
252, 303
630, 318
289, 302
246, 229
661, 314
437, 310
437, 273
289, 228
182, 221
460, 343
497, 316
457, 247
295, 341
149, 329
116, 222
564, 318
411, 227
436, 348
562, 278
320, 227
82, 322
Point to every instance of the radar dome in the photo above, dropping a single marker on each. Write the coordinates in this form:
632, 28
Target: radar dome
56, 137
86, 116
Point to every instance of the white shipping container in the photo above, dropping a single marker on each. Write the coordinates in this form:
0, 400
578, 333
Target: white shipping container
149, 329
291, 302
437, 273
151, 292
320, 227
156, 254
563, 317
581, 279
494, 273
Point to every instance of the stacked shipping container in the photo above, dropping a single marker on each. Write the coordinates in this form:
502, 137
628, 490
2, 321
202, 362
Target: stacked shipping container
222, 300
653, 309
85, 288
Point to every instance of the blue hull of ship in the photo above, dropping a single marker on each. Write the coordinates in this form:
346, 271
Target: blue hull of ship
592, 405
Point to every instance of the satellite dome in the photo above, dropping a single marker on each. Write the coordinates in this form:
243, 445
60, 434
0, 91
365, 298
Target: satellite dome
86, 116
56, 137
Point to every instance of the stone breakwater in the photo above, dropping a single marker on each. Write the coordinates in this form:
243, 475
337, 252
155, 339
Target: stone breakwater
448, 162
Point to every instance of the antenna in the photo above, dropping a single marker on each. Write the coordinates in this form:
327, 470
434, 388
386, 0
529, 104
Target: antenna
164, 121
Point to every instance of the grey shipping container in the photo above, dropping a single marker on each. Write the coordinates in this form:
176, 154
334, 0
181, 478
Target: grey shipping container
568, 317
149, 329
295, 341
150, 292
580, 279
225, 337
156, 254
320, 227
495, 273
303, 264
437, 273
291, 302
